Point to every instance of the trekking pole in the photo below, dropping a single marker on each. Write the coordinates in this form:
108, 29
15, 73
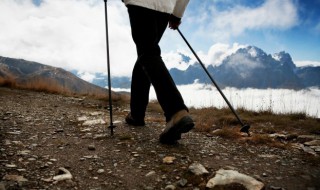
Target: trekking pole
245, 127
111, 127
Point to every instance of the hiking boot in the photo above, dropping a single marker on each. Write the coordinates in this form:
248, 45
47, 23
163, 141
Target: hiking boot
180, 123
134, 122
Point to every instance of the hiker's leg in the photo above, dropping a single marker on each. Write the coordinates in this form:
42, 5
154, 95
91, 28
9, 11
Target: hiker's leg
147, 28
140, 87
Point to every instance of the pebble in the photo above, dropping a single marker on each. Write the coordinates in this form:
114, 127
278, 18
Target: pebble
170, 187
183, 182
198, 169
11, 165
100, 171
168, 159
151, 173
91, 147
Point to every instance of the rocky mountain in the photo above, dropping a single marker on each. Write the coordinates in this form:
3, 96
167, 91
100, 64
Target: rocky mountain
26, 73
248, 67
310, 76
252, 67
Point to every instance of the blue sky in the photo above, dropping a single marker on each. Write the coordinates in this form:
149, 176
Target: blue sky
296, 30
71, 33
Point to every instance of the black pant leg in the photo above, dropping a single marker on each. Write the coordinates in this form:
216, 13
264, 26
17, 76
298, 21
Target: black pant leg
147, 27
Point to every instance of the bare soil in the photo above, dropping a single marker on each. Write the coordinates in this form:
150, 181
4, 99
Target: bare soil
42, 132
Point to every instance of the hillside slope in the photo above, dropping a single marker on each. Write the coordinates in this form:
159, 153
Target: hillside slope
28, 74
41, 133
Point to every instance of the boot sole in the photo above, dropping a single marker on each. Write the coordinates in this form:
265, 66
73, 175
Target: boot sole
174, 133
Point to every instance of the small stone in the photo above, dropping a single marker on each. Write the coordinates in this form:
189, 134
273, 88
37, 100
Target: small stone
198, 169
66, 175
32, 159
168, 159
170, 187
94, 122
151, 173
313, 143
183, 182
100, 171
11, 165
91, 147
275, 188
82, 118
23, 152
59, 130
224, 177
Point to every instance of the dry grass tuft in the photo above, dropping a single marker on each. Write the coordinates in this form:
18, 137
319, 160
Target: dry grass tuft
260, 139
263, 139
228, 133
49, 86
53, 87
8, 82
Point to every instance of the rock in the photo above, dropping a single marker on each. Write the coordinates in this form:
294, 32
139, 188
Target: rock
94, 122
91, 147
151, 173
168, 159
11, 165
308, 138
82, 118
100, 136
316, 148
198, 169
275, 188
309, 150
100, 171
182, 182
313, 143
170, 187
16, 178
66, 175
225, 177
96, 113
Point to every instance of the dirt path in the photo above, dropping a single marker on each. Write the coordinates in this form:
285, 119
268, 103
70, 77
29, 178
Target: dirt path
41, 133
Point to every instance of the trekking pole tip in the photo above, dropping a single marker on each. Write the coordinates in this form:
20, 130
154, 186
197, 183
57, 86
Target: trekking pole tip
245, 129
111, 127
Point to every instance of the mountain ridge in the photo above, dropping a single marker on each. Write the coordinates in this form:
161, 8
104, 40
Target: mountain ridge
27, 73
248, 67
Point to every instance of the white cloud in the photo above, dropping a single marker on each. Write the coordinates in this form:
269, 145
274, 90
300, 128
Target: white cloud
307, 63
272, 14
215, 55
174, 60
86, 76
68, 34
218, 52
71, 33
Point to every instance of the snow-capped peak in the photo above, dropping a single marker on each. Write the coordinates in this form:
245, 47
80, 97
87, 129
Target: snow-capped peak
252, 51
276, 56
